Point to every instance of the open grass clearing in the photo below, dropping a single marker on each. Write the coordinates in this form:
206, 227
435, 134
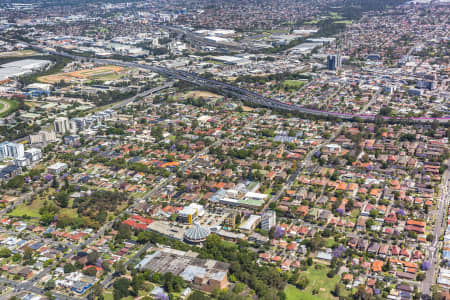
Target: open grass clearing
294, 84
202, 94
318, 281
347, 22
7, 107
18, 53
32, 210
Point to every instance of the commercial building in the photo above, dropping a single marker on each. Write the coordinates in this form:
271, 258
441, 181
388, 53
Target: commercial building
57, 168
205, 274
33, 154
189, 213
11, 150
268, 220
22, 67
196, 234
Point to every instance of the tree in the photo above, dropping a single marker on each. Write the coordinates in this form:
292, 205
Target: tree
92, 258
374, 213
50, 285
106, 266
16, 182
420, 276
387, 266
338, 289
302, 282
90, 271
271, 294
121, 287
55, 183
101, 216
124, 232
16, 257
49, 295
196, 295
5, 252
62, 199
69, 268
27, 253
119, 267
96, 292
143, 237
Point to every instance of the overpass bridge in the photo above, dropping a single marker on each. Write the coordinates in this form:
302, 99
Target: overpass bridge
241, 93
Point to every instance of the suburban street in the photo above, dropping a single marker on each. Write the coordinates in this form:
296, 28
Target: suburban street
434, 248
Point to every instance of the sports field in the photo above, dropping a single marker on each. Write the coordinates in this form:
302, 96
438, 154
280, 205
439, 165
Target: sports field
100, 73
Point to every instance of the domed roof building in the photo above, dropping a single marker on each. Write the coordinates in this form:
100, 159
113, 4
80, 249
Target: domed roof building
196, 234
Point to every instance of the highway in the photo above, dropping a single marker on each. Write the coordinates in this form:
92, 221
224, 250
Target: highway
199, 39
240, 93
142, 94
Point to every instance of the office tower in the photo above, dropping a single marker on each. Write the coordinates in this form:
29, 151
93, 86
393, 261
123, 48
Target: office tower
333, 62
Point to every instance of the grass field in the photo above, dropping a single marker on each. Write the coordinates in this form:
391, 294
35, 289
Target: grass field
106, 77
292, 293
347, 22
99, 73
7, 107
335, 15
293, 84
20, 53
32, 210
316, 21
317, 280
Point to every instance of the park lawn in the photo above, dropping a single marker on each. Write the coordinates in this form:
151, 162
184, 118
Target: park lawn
293, 293
13, 106
68, 211
317, 280
293, 84
108, 295
330, 242
31, 210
